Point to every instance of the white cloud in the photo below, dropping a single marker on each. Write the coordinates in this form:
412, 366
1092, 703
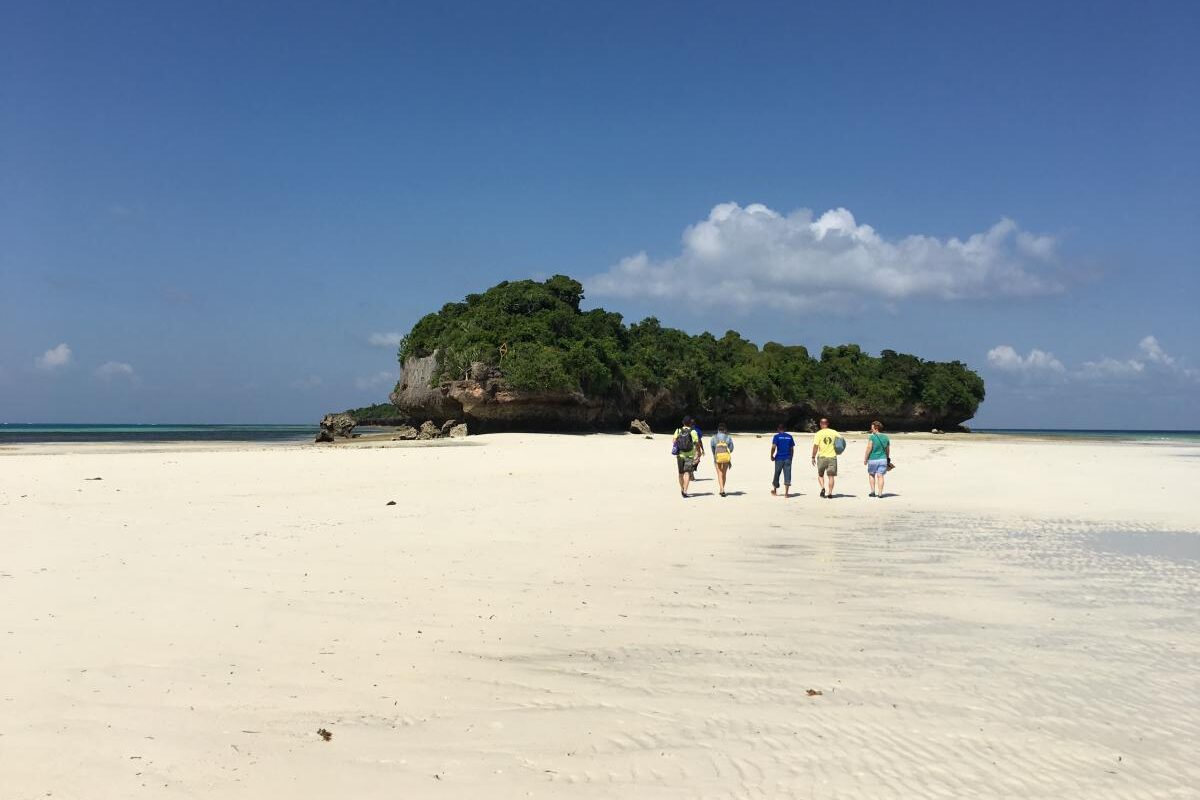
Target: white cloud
379, 379
390, 339
1151, 362
1154, 353
1006, 358
1110, 368
111, 370
55, 358
754, 255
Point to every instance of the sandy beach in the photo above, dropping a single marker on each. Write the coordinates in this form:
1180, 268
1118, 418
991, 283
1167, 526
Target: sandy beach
544, 616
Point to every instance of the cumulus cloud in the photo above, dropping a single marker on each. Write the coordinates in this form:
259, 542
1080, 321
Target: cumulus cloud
754, 255
1150, 362
112, 370
390, 339
376, 381
1006, 358
1111, 368
55, 358
1154, 353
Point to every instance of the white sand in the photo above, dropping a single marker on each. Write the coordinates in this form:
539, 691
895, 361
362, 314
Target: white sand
544, 616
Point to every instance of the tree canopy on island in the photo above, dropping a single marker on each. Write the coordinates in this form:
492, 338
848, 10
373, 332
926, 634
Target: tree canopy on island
541, 340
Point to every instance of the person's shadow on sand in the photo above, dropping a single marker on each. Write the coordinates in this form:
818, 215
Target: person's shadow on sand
700, 494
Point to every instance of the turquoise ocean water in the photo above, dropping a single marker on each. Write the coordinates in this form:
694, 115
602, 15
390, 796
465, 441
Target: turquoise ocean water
1151, 437
23, 433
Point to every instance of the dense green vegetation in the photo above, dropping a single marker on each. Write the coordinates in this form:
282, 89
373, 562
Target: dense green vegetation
378, 414
541, 340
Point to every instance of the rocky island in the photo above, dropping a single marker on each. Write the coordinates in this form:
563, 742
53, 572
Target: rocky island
523, 356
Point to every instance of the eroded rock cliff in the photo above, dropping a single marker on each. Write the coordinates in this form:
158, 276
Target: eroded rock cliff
488, 404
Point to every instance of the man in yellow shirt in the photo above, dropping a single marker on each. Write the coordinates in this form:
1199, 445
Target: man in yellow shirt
824, 456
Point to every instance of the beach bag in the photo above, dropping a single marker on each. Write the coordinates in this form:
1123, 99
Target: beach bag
683, 441
891, 466
721, 452
839, 445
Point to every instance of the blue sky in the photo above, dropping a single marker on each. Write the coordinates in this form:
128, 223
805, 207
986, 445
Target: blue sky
209, 211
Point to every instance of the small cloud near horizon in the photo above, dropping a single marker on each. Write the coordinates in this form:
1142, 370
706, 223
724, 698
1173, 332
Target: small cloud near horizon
54, 358
754, 256
389, 339
1151, 360
112, 370
1004, 357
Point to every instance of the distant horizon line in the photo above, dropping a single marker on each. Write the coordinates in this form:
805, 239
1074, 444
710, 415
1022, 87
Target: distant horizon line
1002, 429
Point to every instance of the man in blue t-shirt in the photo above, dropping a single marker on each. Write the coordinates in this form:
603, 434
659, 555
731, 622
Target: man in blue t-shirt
782, 446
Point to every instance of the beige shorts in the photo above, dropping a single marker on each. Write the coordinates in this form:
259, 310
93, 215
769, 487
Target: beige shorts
827, 466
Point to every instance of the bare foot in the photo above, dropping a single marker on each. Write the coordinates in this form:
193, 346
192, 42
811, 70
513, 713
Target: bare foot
772, 491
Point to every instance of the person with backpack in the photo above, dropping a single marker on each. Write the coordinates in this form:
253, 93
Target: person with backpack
877, 458
684, 446
782, 447
721, 447
699, 447
827, 444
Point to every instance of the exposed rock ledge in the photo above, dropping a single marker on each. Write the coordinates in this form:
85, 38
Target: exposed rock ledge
488, 404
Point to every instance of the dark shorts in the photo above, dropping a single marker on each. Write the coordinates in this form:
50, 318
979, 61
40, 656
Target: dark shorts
685, 464
827, 466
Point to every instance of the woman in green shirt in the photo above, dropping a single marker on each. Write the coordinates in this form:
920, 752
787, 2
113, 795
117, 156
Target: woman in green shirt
877, 458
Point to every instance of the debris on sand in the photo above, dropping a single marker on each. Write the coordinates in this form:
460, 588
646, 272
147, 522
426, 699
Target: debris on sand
324, 734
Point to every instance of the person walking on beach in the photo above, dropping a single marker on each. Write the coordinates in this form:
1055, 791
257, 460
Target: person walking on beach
684, 444
782, 446
877, 458
699, 446
824, 456
721, 447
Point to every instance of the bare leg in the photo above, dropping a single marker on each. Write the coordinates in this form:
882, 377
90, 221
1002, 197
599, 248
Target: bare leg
722, 469
871, 480
831, 480
879, 483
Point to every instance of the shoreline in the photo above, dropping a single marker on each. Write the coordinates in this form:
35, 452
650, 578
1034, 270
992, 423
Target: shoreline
382, 438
